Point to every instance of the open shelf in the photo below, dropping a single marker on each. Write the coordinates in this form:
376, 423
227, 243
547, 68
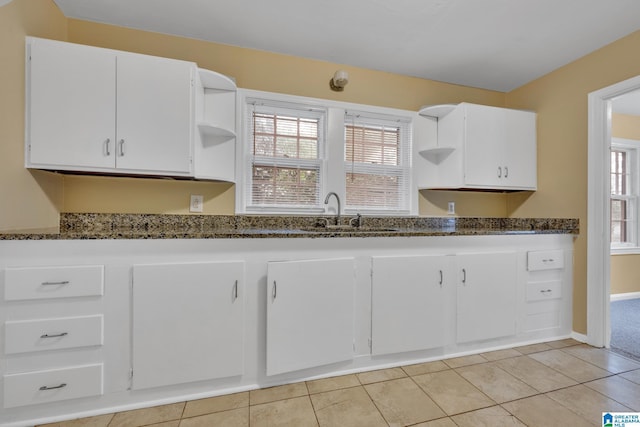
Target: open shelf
436, 154
209, 129
437, 111
212, 80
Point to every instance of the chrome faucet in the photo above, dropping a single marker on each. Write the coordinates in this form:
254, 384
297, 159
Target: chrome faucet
326, 202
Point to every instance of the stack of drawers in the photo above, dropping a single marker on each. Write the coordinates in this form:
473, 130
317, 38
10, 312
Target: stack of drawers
544, 299
51, 313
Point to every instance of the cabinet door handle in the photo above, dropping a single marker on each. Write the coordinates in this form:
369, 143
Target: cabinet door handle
499, 171
441, 277
274, 292
106, 147
44, 387
63, 334
121, 147
63, 282
506, 172
235, 291
464, 276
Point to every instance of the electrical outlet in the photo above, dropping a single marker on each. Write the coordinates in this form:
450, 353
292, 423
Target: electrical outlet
451, 209
196, 203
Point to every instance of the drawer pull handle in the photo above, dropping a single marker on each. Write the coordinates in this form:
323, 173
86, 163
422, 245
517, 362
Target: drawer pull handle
544, 292
44, 387
63, 334
63, 282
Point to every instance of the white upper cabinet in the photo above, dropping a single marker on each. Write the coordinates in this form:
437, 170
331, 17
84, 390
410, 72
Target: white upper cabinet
71, 106
154, 114
99, 110
481, 147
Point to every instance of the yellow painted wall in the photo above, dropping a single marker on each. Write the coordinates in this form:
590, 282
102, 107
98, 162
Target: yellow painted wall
271, 72
28, 200
625, 269
560, 99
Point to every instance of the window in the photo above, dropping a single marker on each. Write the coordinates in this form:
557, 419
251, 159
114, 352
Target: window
624, 195
285, 156
293, 151
377, 167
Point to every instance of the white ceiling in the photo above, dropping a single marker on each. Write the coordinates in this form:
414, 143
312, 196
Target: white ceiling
491, 44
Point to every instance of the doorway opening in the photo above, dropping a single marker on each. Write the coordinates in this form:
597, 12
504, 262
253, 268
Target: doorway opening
599, 211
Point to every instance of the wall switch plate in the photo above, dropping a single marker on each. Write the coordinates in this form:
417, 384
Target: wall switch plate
451, 209
196, 203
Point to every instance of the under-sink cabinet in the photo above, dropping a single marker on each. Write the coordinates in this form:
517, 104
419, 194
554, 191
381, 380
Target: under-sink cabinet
188, 322
309, 313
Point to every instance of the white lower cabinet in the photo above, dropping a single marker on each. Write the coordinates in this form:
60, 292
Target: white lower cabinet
486, 298
309, 313
89, 327
188, 322
407, 302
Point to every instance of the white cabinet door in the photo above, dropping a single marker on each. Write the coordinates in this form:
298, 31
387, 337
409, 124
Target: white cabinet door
309, 313
486, 300
187, 322
484, 145
154, 114
408, 302
71, 106
520, 150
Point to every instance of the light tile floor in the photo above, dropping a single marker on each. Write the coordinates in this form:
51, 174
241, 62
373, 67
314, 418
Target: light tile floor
560, 383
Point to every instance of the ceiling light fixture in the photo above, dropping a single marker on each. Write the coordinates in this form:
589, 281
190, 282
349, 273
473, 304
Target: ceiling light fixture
339, 81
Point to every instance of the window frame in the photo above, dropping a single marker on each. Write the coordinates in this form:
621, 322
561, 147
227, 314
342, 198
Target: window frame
279, 107
333, 176
402, 170
632, 148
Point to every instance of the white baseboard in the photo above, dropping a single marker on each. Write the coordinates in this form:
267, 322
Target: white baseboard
621, 297
579, 337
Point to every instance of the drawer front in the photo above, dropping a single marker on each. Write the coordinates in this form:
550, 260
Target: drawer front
53, 385
545, 260
53, 334
538, 291
26, 283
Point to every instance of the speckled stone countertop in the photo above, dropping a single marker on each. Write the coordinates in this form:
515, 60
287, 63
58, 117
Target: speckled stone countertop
149, 226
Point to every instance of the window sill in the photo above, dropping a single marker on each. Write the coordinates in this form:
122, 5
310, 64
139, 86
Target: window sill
630, 250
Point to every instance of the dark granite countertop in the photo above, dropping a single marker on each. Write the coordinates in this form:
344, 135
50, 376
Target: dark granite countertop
151, 226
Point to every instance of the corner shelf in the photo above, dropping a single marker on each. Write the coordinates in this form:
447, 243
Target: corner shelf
210, 129
436, 154
437, 111
212, 80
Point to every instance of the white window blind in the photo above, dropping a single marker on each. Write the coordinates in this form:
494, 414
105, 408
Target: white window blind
285, 156
377, 162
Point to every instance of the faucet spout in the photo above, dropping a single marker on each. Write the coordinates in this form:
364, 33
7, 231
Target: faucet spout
326, 202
